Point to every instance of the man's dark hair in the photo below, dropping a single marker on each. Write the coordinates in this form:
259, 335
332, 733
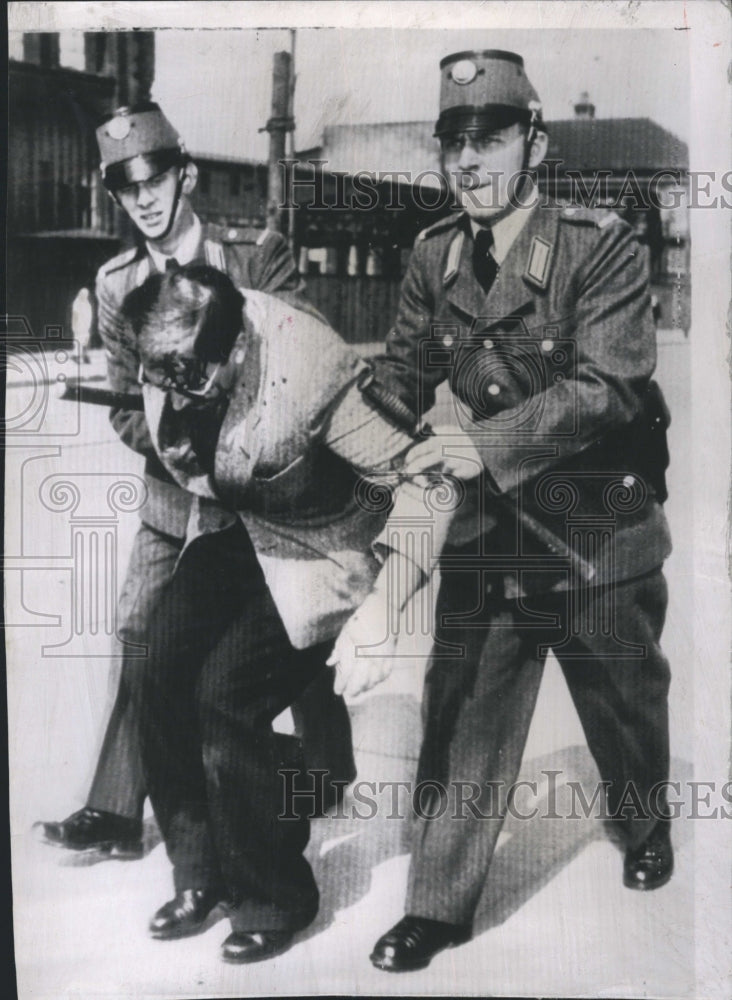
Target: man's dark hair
195, 297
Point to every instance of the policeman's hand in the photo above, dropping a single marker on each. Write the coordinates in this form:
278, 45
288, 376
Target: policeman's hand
463, 462
368, 626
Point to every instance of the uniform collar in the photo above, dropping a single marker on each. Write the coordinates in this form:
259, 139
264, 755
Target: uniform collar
514, 291
186, 251
506, 229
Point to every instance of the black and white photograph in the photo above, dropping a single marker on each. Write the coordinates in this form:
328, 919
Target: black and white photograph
367, 461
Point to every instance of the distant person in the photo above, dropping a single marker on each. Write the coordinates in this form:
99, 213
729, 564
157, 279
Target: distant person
82, 322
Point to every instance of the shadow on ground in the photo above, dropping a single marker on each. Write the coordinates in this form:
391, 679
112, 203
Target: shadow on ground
531, 853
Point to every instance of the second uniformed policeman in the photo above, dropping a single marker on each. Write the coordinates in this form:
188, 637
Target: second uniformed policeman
539, 318
147, 170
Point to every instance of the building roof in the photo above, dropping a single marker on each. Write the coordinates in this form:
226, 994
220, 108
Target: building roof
60, 74
234, 161
617, 144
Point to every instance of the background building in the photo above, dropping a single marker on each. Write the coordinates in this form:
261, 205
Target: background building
394, 168
61, 224
358, 200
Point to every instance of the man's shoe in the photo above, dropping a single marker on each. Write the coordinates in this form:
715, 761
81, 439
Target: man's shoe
255, 946
414, 941
651, 864
185, 914
91, 830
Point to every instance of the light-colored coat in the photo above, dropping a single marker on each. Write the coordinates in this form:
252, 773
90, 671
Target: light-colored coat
281, 464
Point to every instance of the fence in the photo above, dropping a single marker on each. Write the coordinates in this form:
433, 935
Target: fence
362, 309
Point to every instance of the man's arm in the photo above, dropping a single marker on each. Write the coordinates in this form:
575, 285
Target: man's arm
122, 368
358, 432
398, 371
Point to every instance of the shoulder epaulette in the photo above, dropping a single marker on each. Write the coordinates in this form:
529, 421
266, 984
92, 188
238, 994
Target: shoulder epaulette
440, 226
120, 261
598, 218
245, 234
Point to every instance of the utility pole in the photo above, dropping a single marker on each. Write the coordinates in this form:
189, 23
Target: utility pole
291, 141
280, 123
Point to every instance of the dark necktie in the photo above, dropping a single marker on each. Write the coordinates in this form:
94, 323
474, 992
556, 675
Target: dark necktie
484, 263
171, 264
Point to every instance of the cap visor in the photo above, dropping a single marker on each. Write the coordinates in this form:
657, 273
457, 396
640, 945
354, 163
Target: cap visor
469, 118
140, 168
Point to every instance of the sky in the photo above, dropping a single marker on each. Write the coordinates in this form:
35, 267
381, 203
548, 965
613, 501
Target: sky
215, 85
371, 75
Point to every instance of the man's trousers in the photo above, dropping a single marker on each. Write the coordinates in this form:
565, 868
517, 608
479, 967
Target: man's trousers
321, 718
220, 669
478, 704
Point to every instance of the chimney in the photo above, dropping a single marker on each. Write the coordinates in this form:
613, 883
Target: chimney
42, 48
128, 56
584, 108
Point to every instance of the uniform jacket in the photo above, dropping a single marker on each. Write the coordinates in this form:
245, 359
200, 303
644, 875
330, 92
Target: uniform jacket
550, 371
253, 259
285, 453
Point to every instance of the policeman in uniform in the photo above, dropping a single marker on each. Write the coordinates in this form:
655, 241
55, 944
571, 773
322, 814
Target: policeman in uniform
147, 171
539, 318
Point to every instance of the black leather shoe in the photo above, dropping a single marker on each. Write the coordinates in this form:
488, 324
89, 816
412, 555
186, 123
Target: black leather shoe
91, 830
185, 914
413, 943
650, 865
254, 946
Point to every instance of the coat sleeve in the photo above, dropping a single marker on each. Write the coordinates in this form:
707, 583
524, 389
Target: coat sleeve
400, 371
359, 433
122, 367
615, 358
275, 270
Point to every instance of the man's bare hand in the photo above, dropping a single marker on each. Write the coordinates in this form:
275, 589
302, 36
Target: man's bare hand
359, 671
462, 460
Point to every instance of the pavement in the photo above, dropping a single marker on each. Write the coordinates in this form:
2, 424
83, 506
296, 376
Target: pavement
554, 920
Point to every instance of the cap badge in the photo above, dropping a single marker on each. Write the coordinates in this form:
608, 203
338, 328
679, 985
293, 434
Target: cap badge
464, 71
118, 128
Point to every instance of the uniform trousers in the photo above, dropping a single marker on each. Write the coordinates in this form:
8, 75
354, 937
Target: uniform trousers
118, 786
220, 669
478, 704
